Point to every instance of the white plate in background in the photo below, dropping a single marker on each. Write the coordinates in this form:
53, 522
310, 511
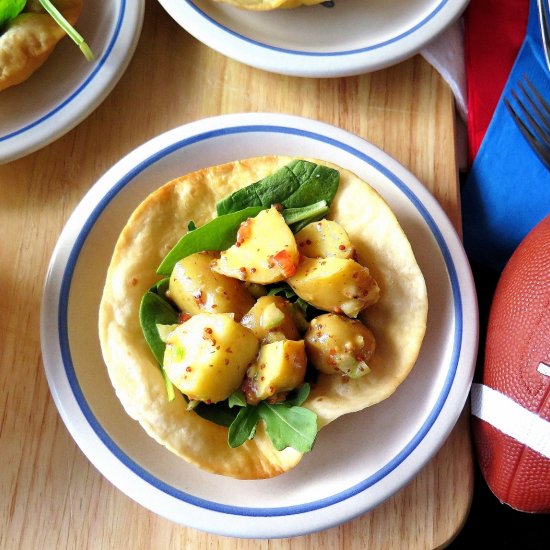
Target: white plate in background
351, 37
67, 88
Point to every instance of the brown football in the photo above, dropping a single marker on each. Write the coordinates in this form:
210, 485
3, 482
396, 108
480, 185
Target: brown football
511, 404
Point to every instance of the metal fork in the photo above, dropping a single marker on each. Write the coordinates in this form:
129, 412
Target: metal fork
531, 113
544, 18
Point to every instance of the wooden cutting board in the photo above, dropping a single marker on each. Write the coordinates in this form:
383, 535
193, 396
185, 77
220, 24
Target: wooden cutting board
52, 496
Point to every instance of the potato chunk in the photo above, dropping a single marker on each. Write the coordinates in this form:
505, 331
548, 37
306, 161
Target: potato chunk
207, 356
265, 251
271, 319
338, 345
195, 288
324, 239
335, 284
281, 367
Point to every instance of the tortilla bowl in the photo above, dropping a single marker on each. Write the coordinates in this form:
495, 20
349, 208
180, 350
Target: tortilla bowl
30, 38
398, 320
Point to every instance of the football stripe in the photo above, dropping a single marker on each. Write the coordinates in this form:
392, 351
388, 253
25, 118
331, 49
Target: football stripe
511, 418
543, 368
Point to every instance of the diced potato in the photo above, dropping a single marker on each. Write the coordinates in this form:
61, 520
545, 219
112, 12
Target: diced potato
195, 288
338, 345
265, 251
324, 239
206, 357
335, 284
271, 319
281, 367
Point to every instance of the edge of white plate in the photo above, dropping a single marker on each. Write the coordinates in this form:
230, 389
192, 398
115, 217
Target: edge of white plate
297, 63
88, 96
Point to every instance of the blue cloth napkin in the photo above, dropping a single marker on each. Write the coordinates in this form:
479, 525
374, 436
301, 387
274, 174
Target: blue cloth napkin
507, 191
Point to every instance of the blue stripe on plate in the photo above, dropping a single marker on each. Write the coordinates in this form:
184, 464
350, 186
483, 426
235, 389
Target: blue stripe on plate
383, 44
186, 497
83, 86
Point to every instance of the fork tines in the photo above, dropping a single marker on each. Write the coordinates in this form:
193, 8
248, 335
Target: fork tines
544, 15
531, 113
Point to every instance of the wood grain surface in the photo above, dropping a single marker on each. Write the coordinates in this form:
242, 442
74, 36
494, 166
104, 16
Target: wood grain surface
51, 497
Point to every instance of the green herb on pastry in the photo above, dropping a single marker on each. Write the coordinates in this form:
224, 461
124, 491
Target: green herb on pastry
29, 32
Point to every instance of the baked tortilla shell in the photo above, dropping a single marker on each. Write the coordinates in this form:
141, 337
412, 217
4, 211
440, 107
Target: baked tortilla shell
29, 39
398, 320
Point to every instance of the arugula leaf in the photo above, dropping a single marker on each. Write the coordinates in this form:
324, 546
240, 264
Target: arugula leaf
294, 427
218, 234
243, 427
287, 424
300, 183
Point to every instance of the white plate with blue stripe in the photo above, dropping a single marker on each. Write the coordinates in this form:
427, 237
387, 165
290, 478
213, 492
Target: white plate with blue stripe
360, 459
336, 38
67, 88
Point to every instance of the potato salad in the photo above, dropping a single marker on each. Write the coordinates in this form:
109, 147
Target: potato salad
257, 320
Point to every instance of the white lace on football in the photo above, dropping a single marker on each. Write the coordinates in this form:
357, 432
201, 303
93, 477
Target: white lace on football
511, 418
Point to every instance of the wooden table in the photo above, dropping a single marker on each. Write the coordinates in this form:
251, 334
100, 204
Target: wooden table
51, 496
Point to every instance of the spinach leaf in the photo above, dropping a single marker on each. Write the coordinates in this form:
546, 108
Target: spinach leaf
306, 190
170, 392
297, 218
319, 183
218, 234
161, 288
269, 190
294, 427
300, 183
155, 310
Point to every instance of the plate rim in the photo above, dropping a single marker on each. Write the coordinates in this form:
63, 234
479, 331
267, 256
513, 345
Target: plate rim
105, 191
290, 62
87, 96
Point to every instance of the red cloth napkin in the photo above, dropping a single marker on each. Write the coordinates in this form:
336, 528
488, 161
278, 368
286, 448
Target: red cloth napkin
493, 33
